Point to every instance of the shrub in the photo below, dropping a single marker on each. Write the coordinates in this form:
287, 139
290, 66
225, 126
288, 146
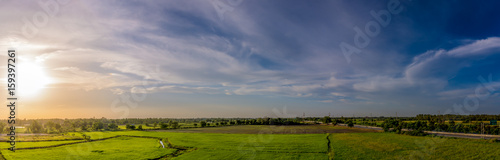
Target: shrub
350, 123
131, 127
112, 126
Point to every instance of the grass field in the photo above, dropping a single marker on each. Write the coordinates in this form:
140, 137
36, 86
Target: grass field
256, 142
265, 129
116, 148
394, 146
37, 144
43, 137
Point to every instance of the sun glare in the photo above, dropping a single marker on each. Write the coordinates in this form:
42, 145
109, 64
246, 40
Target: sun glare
32, 78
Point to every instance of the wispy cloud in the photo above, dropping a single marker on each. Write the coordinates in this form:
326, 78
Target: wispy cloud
273, 49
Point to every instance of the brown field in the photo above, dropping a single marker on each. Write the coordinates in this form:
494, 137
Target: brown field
266, 129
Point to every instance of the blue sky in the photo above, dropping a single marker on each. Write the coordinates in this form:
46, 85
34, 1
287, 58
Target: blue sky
259, 58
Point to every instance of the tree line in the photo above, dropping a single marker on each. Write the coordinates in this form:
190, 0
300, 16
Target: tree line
419, 122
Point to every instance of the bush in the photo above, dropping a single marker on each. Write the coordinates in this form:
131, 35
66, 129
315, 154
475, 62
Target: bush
112, 126
350, 123
86, 138
334, 122
131, 127
163, 126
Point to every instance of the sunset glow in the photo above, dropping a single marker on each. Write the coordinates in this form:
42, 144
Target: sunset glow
122, 59
32, 79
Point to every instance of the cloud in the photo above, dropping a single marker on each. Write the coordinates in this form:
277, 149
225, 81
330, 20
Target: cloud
185, 89
277, 50
326, 101
480, 47
430, 71
381, 83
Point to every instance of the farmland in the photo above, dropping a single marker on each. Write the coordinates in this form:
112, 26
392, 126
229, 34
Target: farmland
250, 142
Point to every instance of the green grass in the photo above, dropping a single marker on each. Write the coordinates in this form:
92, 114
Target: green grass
115, 148
266, 129
219, 146
272, 142
190, 125
228, 144
44, 137
394, 146
231, 154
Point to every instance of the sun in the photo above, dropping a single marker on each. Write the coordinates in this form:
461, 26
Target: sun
31, 78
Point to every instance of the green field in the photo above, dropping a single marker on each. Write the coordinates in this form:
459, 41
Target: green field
255, 142
394, 146
116, 148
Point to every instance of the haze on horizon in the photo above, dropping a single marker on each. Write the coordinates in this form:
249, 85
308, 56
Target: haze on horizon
242, 58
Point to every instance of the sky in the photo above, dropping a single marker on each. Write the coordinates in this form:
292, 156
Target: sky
242, 58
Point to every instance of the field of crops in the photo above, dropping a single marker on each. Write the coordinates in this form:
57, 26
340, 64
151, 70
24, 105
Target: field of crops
394, 146
254, 143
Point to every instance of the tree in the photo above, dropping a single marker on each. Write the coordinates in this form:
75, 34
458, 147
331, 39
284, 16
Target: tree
112, 126
334, 122
350, 123
97, 126
87, 138
49, 125
163, 126
195, 125
36, 127
105, 126
84, 127
140, 127
58, 127
175, 125
131, 127
203, 124
2, 126
326, 120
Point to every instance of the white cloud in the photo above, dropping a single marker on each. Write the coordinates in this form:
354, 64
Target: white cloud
327, 101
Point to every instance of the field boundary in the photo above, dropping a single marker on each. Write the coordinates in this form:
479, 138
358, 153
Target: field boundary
47, 140
83, 141
329, 152
58, 145
2, 157
180, 150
